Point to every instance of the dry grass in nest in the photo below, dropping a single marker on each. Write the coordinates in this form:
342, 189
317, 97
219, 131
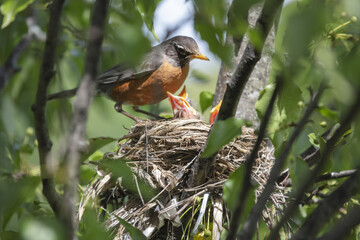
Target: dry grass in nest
160, 153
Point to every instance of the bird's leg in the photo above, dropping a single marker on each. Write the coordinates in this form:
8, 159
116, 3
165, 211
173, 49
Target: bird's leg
137, 109
118, 108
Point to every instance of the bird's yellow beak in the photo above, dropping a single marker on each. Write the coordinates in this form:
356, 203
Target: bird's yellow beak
199, 56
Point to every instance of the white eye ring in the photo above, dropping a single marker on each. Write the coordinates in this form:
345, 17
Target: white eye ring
181, 49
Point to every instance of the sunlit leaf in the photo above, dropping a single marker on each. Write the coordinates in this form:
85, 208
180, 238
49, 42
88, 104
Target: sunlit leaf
313, 139
221, 134
326, 112
9, 8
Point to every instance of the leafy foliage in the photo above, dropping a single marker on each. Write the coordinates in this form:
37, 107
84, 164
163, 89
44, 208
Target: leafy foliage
10, 8
221, 134
316, 42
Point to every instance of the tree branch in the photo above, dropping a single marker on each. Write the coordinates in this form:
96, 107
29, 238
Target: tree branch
329, 147
342, 228
248, 61
41, 129
234, 37
328, 207
202, 166
335, 175
10, 65
246, 186
77, 138
249, 226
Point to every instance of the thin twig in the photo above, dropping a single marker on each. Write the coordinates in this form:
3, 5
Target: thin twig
77, 137
41, 128
329, 147
335, 175
246, 186
249, 226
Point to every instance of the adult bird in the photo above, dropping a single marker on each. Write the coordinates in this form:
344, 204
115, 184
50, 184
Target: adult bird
163, 69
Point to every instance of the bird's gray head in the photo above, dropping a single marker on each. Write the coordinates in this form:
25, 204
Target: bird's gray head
183, 49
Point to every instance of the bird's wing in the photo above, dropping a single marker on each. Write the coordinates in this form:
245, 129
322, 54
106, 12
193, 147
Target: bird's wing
124, 73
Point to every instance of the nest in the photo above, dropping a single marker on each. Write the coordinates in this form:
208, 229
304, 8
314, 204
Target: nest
160, 153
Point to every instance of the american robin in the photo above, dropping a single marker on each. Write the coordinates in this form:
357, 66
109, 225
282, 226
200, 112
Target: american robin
163, 69
181, 106
214, 112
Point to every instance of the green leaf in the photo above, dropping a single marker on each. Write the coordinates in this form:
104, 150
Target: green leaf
5, 162
326, 112
13, 194
313, 139
147, 9
210, 22
41, 229
299, 171
206, 99
221, 134
120, 169
328, 165
232, 187
94, 145
135, 233
9, 8
93, 228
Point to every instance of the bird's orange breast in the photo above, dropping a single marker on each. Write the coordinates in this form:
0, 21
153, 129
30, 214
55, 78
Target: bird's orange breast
153, 89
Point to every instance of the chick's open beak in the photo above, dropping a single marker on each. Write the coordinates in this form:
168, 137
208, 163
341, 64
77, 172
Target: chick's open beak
214, 112
181, 107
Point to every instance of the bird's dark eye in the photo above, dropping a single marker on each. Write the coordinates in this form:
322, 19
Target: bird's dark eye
180, 49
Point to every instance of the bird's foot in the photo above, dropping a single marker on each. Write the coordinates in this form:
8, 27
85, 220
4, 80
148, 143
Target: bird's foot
137, 109
118, 108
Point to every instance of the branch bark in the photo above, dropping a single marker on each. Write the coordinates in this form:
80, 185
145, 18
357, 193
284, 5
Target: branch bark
335, 175
77, 138
248, 61
41, 129
342, 228
246, 186
328, 207
250, 224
